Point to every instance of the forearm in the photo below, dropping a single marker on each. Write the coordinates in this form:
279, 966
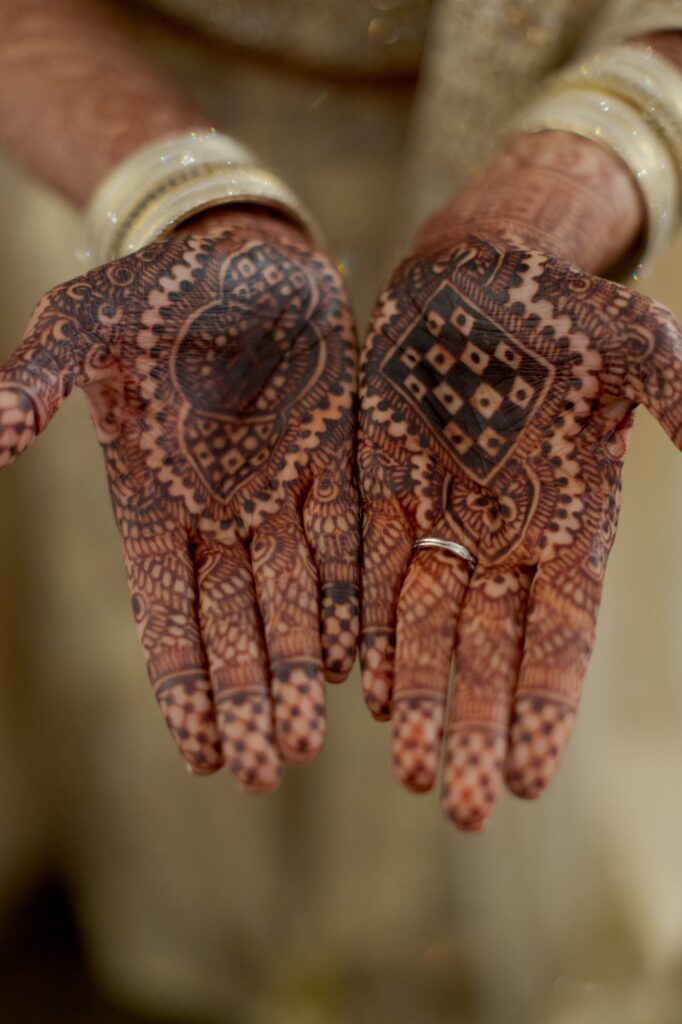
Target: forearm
556, 191
552, 191
75, 95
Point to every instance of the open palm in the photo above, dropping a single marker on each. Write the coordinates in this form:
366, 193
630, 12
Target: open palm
220, 373
497, 393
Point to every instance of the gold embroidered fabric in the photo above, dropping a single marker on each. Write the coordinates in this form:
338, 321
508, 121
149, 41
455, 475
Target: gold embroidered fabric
622, 19
362, 36
481, 63
379, 36
478, 61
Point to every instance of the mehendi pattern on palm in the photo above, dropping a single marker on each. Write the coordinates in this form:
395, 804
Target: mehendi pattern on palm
497, 392
220, 373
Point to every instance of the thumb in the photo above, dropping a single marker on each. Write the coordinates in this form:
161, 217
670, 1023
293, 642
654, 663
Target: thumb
644, 359
37, 378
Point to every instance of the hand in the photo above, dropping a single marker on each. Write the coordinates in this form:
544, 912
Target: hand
219, 366
497, 394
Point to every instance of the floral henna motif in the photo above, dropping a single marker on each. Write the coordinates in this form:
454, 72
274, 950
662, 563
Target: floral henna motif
220, 372
497, 394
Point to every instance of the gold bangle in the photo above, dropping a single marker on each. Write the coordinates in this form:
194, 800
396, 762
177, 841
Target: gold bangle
170, 179
615, 125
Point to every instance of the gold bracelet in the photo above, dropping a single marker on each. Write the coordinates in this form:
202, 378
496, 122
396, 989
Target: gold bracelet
649, 82
617, 126
168, 180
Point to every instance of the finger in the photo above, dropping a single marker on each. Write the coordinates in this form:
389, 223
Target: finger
642, 357
161, 581
17, 422
331, 519
233, 639
487, 657
429, 603
37, 378
386, 550
288, 596
559, 637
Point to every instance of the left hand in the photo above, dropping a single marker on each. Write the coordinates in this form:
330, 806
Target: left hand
497, 393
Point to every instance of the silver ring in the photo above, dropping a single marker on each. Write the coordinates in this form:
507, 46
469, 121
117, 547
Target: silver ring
458, 550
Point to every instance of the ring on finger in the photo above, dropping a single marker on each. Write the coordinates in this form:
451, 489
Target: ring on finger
451, 546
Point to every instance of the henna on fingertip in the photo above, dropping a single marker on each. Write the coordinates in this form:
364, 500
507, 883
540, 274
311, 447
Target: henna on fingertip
219, 366
497, 390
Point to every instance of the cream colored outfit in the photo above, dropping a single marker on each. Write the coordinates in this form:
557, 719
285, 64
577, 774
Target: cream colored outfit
340, 898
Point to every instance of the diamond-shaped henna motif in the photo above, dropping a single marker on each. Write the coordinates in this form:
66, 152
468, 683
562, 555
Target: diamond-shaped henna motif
224, 466
471, 382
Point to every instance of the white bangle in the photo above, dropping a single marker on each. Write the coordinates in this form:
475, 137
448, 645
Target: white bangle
618, 127
649, 82
170, 179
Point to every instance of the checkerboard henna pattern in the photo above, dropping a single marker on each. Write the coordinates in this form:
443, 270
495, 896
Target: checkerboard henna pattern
476, 384
497, 393
220, 372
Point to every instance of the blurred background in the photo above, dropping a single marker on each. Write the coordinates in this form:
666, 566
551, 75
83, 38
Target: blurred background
130, 891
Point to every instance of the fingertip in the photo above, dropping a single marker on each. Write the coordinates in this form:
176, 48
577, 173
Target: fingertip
539, 732
262, 786
380, 711
377, 694
416, 779
258, 773
473, 823
17, 423
302, 750
417, 734
201, 753
472, 776
248, 740
334, 676
187, 707
198, 769
524, 785
202, 756
338, 654
340, 630
299, 703
377, 652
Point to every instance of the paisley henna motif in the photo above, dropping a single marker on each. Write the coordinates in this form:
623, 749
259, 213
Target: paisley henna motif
220, 372
497, 392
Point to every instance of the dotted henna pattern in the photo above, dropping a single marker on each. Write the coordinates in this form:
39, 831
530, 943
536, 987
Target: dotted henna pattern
497, 393
220, 373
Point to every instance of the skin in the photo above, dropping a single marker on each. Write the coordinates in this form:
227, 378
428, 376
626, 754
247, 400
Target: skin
70, 70
219, 367
243, 574
207, 554
498, 386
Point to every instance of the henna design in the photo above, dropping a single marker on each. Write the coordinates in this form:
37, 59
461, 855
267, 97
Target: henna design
220, 373
487, 655
555, 192
233, 635
497, 392
429, 599
288, 595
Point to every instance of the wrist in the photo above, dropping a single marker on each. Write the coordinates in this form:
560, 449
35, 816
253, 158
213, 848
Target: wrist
553, 191
252, 218
170, 181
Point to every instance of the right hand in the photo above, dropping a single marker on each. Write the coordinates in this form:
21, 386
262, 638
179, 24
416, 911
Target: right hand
220, 368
